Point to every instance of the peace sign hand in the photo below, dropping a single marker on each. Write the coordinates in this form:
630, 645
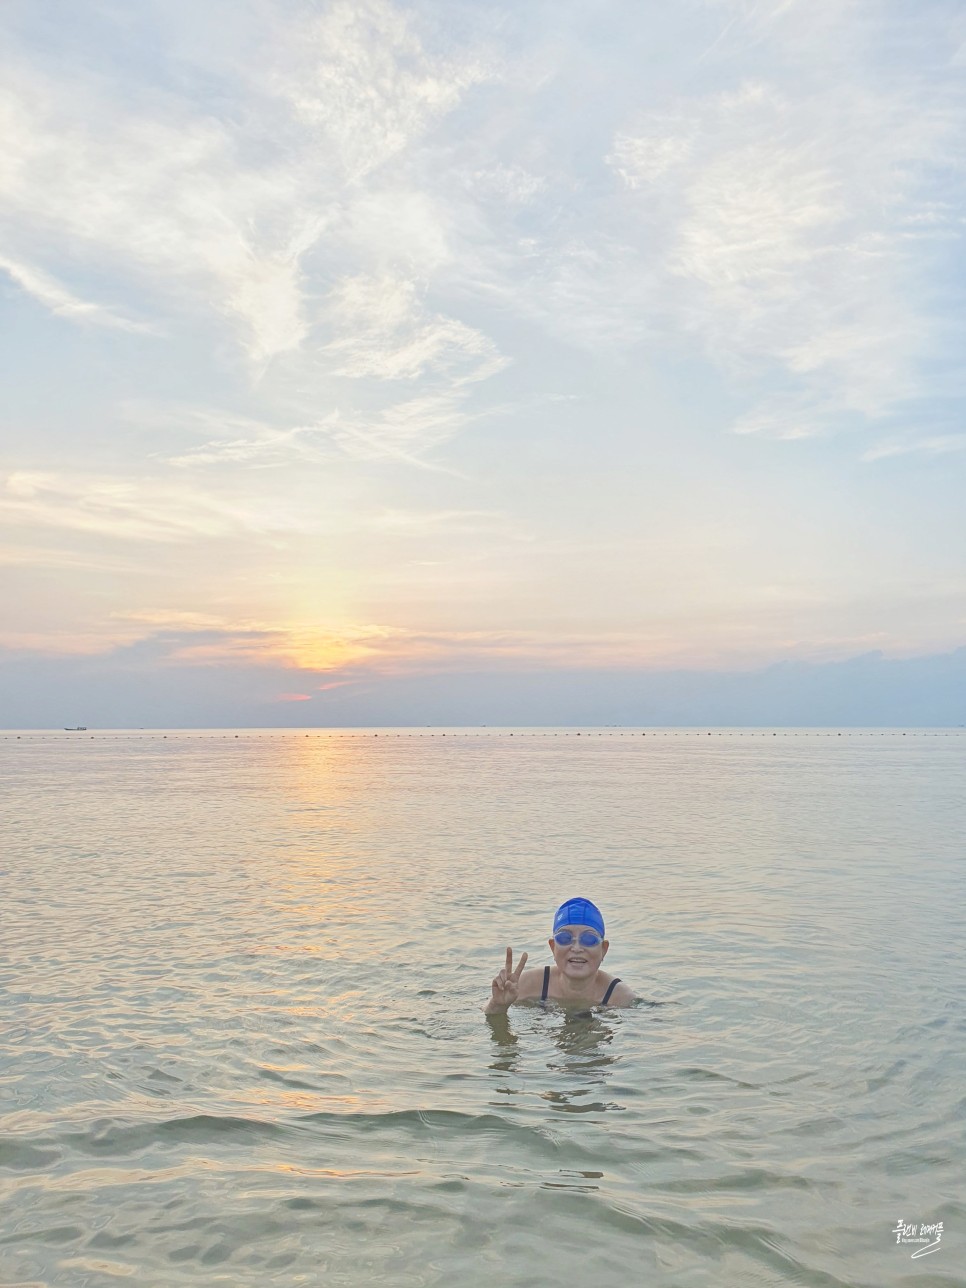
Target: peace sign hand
506, 985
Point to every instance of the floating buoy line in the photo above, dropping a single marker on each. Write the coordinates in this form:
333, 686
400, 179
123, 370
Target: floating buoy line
355, 734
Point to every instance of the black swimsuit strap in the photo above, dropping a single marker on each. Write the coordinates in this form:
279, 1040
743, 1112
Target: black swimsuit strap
610, 988
546, 987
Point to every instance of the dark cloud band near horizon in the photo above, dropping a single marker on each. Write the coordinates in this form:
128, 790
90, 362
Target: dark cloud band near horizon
865, 691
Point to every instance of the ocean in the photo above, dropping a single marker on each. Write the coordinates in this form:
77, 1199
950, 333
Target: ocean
243, 974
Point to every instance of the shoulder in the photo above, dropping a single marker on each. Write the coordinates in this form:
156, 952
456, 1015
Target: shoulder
623, 995
531, 983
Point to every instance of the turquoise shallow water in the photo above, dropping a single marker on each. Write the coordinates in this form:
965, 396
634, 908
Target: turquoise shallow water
243, 975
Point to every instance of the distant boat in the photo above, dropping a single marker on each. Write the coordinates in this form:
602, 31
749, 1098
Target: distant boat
75, 728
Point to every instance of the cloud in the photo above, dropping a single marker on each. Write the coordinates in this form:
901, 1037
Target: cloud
937, 446
361, 78
161, 201
24, 555
318, 659
263, 445
793, 229
449, 521
110, 692
135, 513
595, 291
55, 297
124, 509
406, 429
386, 334
399, 431
503, 183
219, 213
313, 650
171, 619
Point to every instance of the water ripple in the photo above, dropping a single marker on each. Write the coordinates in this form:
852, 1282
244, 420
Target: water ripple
243, 980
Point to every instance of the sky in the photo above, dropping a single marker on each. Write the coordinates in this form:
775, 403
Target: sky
368, 362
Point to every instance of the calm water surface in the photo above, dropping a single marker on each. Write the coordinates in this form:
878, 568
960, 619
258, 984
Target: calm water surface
242, 984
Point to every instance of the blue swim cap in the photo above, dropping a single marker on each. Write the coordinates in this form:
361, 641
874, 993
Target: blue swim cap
578, 912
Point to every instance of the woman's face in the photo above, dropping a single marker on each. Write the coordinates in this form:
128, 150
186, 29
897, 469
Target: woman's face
578, 960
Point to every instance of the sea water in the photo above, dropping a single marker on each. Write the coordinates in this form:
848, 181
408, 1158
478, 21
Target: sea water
243, 975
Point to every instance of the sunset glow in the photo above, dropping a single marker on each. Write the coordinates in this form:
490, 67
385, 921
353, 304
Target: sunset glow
373, 341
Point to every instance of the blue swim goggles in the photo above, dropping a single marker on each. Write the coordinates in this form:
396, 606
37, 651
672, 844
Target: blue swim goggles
586, 938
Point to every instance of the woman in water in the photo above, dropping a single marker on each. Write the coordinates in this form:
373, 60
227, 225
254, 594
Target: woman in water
578, 946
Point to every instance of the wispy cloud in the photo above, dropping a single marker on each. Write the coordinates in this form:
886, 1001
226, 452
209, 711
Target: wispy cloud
55, 297
361, 78
263, 445
792, 229
438, 520
23, 554
134, 511
384, 332
210, 212
934, 446
121, 508
163, 201
399, 431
